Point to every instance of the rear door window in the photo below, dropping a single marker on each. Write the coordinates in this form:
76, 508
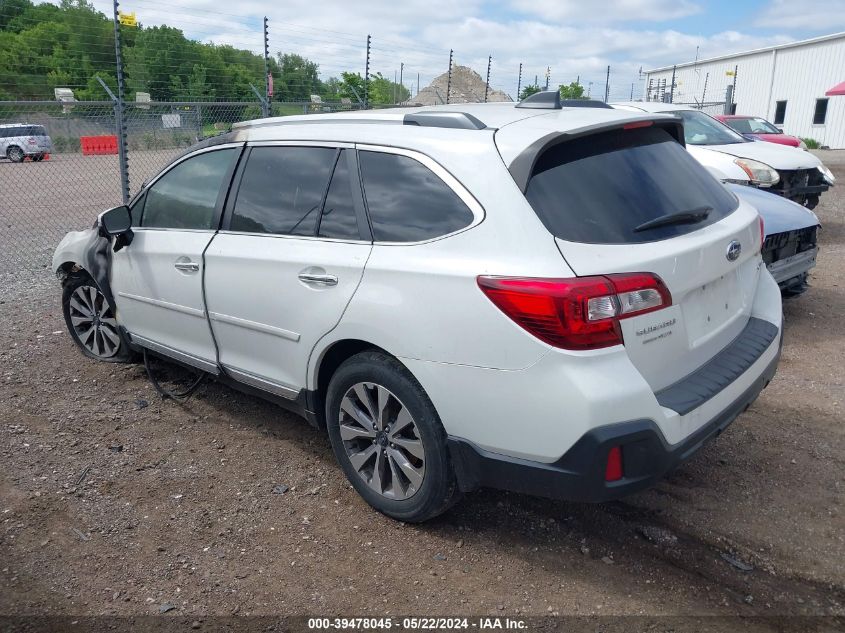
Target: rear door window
407, 202
282, 190
339, 219
598, 189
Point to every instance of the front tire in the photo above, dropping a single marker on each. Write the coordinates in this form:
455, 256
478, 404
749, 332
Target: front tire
91, 322
15, 154
387, 437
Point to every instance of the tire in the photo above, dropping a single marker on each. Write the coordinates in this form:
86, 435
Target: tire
416, 481
15, 154
38, 158
90, 321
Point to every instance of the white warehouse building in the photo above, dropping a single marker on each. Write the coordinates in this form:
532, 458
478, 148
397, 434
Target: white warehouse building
800, 87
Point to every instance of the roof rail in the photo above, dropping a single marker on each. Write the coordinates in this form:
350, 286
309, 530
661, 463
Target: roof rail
457, 120
543, 100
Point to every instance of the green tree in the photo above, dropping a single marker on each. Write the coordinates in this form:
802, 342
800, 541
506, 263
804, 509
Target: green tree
529, 90
572, 91
299, 78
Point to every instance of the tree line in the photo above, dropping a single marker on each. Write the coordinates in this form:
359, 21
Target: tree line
46, 46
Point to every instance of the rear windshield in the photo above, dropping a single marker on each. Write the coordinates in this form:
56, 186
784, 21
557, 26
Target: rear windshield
600, 188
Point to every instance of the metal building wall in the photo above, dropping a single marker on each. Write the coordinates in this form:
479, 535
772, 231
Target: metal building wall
796, 74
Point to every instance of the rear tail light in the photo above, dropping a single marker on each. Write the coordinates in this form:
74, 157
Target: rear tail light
613, 470
579, 313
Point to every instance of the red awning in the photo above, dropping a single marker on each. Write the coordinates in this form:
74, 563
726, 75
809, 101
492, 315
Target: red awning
838, 89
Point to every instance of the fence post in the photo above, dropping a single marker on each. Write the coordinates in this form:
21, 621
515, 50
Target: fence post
672, 87
733, 92
449, 79
519, 82
367, 77
401, 78
119, 110
487, 85
266, 103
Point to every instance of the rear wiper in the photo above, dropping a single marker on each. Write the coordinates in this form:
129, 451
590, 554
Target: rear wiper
681, 217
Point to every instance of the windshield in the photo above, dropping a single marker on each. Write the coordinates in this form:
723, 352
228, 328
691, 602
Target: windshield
701, 129
752, 125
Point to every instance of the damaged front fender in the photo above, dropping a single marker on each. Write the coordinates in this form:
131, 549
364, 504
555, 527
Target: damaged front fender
90, 251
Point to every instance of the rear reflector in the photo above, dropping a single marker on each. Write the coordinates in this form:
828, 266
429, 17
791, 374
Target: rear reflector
579, 313
613, 471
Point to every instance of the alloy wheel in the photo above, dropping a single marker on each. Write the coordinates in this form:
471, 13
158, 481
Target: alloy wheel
382, 441
15, 154
93, 322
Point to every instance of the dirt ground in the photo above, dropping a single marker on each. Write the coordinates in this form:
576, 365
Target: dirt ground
113, 502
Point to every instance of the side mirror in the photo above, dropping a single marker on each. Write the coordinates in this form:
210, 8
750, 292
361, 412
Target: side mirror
116, 221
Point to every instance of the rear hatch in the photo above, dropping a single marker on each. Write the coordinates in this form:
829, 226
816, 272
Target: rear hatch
634, 200
39, 135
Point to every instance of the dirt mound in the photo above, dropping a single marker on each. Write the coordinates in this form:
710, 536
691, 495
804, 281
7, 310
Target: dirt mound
467, 87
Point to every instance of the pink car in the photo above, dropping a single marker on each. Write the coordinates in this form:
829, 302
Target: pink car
755, 127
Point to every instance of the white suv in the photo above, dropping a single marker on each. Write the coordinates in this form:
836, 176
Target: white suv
557, 301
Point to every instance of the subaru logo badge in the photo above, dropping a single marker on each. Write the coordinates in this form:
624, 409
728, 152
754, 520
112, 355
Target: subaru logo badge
734, 249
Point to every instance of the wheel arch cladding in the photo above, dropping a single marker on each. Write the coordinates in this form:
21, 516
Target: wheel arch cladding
326, 366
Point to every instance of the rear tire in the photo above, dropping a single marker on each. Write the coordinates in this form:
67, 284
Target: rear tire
15, 154
38, 158
388, 439
90, 321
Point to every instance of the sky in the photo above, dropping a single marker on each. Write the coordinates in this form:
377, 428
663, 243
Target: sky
576, 39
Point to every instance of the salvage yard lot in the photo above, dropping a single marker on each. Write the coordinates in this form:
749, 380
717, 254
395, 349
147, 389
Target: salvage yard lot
114, 502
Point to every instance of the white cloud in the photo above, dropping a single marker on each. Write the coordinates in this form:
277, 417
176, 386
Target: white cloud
608, 10
563, 35
811, 15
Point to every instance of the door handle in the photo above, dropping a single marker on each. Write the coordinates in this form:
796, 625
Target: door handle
318, 280
187, 266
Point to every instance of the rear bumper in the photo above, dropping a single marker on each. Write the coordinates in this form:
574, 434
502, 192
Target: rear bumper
580, 474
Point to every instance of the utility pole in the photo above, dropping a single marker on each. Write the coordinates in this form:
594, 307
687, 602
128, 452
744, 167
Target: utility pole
704, 92
519, 82
449, 79
119, 110
367, 76
487, 85
548, 74
266, 105
672, 87
607, 85
632, 92
418, 83
394, 87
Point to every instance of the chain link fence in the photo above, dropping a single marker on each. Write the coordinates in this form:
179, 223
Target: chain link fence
63, 187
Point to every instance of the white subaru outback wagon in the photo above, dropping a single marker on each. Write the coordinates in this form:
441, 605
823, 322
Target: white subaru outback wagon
549, 300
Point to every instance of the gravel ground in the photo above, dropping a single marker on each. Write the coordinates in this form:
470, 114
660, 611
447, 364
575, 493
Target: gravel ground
113, 502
